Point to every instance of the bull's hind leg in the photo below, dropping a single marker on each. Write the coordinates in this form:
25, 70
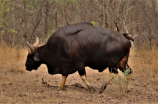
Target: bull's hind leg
113, 73
128, 75
62, 82
123, 66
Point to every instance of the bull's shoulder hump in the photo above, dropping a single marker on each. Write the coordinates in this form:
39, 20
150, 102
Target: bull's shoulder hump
73, 29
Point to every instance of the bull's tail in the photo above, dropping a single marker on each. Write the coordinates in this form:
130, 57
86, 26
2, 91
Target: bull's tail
128, 36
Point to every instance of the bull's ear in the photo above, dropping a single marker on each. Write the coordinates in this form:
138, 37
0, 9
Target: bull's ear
36, 57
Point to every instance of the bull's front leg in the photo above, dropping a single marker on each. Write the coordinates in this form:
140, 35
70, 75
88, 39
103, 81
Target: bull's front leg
62, 82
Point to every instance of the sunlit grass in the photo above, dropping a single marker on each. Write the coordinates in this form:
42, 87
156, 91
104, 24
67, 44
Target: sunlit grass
146, 60
12, 59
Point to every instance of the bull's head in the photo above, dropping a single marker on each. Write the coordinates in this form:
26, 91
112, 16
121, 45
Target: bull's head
33, 61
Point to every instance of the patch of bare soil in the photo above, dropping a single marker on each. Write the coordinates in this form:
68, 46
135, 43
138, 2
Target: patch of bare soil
27, 88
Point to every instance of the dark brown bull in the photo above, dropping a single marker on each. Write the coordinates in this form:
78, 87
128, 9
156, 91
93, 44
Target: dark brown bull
74, 47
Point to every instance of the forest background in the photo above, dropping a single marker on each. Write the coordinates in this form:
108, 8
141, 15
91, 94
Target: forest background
21, 19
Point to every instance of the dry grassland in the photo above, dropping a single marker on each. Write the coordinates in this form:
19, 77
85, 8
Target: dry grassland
12, 59
18, 86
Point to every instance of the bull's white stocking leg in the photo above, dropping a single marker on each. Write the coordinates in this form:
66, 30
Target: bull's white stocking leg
62, 82
83, 77
128, 78
111, 77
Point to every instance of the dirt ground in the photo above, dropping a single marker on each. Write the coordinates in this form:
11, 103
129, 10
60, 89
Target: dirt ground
27, 88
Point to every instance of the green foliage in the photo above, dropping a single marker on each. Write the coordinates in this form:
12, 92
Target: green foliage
58, 15
30, 4
23, 1
128, 70
63, 2
13, 31
94, 23
59, 26
53, 31
71, 1
7, 9
96, 2
5, 6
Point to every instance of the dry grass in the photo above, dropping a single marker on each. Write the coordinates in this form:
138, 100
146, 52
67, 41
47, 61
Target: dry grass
12, 59
146, 60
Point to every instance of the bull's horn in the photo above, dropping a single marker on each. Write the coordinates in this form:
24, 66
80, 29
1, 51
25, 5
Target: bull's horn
36, 43
31, 50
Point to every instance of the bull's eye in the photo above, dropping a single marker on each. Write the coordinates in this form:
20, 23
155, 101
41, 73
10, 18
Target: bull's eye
36, 58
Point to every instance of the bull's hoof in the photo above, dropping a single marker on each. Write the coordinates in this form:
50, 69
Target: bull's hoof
60, 88
48, 85
100, 92
102, 89
92, 90
127, 91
